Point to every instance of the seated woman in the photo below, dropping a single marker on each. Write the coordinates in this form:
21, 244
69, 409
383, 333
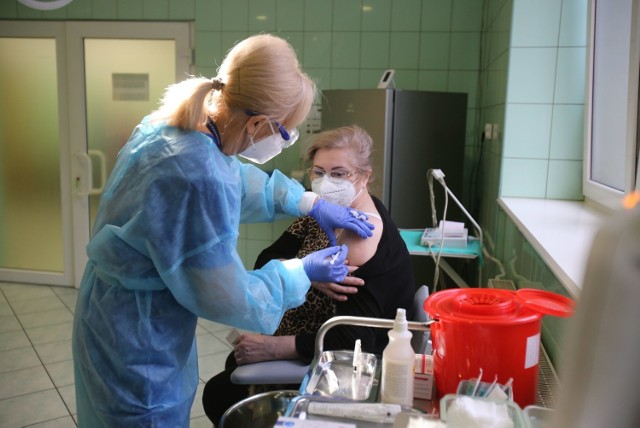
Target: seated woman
340, 171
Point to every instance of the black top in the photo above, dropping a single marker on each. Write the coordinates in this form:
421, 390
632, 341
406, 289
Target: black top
389, 284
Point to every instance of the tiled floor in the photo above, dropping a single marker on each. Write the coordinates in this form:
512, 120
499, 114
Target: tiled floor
36, 368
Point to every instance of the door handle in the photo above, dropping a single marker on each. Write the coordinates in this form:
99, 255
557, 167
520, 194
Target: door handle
85, 159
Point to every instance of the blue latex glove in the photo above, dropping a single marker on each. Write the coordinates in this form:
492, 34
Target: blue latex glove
331, 216
326, 265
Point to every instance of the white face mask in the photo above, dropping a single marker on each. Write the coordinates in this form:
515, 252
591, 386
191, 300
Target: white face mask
337, 190
269, 147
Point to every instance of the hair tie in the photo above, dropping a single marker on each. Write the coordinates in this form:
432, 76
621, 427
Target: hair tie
217, 83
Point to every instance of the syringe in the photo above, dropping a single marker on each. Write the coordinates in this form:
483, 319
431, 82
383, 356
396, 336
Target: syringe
334, 258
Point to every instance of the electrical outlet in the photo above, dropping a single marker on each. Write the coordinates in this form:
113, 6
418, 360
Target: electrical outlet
488, 131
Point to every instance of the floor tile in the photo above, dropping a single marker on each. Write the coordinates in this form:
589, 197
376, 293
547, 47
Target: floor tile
40, 304
16, 359
64, 291
32, 408
50, 333
9, 323
200, 330
201, 422
196, 409
70, 302
212, 326
222, 335
211, 365
65, 422
54, 352
13, 340
68, 296
17, 292
68, 394
24, 381
61, 373
36, 367
5, 309
209, 344
44, 318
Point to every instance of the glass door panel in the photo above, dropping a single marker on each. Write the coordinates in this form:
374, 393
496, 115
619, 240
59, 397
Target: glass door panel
52, 130
31, 232
121, 88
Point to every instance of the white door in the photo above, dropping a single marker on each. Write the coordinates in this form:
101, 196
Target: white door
72, 93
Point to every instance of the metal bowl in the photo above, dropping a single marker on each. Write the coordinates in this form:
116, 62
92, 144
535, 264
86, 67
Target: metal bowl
258, 411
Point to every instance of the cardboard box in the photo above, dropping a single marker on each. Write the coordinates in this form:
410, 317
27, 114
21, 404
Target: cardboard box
423, 377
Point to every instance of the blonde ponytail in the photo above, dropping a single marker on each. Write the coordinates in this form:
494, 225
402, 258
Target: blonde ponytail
260, 73
183, 103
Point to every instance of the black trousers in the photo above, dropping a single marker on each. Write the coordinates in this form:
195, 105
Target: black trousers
220, 393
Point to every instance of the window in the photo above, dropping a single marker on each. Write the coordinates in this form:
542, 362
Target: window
611, 152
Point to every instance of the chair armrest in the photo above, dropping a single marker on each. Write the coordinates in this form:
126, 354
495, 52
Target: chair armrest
270, 372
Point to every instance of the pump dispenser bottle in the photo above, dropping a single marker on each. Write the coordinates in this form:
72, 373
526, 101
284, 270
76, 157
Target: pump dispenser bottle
398, 364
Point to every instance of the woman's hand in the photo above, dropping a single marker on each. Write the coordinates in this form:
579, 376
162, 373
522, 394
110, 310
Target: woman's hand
340, 291
252, 348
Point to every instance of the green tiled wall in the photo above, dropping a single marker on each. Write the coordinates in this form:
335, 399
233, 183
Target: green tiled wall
432, 44
545, 86
532, 86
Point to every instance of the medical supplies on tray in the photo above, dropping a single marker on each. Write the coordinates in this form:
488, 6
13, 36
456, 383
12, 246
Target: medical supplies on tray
455, 235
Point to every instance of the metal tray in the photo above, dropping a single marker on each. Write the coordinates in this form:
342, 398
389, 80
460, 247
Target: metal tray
299, 408
333, 376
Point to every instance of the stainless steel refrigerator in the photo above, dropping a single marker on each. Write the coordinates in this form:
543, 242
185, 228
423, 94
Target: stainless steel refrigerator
412, 131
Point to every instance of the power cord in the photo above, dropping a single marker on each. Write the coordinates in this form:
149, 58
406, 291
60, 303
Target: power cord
439, 175
489, 255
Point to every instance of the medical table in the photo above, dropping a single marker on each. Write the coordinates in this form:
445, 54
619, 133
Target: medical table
473, 250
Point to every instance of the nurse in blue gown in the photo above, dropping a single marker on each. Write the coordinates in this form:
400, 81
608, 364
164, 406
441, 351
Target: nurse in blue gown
163, 250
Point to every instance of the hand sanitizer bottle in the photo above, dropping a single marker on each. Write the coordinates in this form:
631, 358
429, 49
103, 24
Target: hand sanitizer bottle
398, 364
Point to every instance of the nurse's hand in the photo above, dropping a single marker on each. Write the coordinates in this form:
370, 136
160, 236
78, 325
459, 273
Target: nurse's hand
340, 291
331, 216
326, 265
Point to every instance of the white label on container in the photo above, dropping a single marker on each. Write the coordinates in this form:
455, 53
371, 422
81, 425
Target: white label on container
533, 351
397, 383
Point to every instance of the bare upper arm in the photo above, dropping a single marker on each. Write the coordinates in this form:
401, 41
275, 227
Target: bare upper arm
361, 250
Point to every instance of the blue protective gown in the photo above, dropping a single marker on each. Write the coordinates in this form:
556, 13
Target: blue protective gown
163, 253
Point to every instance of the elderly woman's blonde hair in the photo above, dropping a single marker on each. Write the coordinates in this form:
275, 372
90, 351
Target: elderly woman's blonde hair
260, 74
352, 138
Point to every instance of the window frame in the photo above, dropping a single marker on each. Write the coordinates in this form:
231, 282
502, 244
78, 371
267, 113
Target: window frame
594, 191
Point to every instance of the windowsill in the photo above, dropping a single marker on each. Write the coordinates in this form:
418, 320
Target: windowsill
561, 232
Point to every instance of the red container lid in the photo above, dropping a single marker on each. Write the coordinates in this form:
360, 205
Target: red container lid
496, 306
546, 302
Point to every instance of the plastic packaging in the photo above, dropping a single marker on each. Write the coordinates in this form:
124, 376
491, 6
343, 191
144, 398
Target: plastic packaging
398, 364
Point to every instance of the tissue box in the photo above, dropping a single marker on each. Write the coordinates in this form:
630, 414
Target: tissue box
423, 377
